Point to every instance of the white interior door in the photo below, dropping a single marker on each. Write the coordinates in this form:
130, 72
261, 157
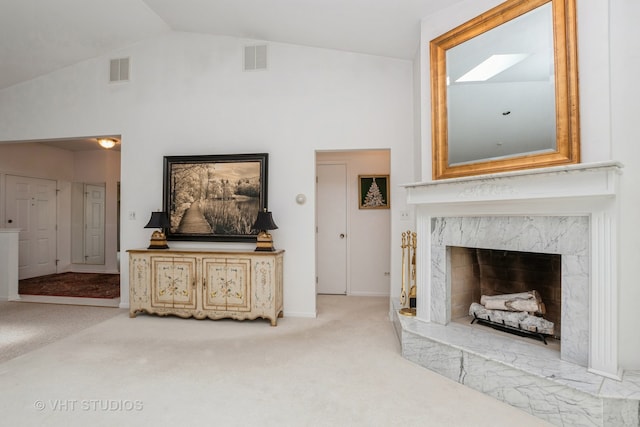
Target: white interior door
31, 206
331, 233
94, 224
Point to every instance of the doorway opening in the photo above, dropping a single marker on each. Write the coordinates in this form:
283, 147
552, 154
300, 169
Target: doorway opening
83, 210
352, 243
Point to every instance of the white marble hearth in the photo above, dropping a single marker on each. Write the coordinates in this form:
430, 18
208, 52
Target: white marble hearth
530, 377
571, 211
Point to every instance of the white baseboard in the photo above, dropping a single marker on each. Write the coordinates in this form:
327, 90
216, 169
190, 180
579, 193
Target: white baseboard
97, 302
307, 314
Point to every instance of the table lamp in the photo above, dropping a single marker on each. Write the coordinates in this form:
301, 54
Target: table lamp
158, 239
264, 222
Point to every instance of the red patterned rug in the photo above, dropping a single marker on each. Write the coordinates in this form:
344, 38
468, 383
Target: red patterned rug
85, 285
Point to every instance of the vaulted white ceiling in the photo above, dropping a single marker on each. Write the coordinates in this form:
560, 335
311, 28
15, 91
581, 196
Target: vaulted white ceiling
40, 36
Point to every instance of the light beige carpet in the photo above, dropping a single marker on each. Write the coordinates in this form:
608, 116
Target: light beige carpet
343, 368
27, 326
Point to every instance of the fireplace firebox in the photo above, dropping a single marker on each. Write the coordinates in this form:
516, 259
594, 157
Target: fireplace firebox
476, 273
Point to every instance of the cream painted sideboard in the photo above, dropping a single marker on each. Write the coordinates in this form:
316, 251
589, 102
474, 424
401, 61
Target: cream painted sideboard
206, 284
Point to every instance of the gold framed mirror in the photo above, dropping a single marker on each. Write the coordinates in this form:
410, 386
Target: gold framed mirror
521, 111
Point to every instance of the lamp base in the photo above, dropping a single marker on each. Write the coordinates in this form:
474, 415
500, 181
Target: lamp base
158, 241
264, 243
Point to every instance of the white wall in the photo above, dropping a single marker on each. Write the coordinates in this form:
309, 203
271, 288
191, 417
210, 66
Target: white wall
369, 230
419, 114
36, 161
189, 95
608, 63
625, 93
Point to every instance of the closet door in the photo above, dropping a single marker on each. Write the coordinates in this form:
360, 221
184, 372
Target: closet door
331, 232
94, 224
30, 204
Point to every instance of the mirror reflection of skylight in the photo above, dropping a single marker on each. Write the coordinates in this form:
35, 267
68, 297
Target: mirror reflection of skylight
492, 66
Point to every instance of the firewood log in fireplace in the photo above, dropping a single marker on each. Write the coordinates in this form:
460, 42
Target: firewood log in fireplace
518, 320
523, 301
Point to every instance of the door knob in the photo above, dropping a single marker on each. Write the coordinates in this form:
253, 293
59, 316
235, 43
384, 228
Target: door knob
342, 235
10, 221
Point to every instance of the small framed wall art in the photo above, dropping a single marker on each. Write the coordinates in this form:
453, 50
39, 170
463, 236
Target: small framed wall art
373, 191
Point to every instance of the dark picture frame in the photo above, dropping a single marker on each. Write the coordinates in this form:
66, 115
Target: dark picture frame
373, 192
214, 197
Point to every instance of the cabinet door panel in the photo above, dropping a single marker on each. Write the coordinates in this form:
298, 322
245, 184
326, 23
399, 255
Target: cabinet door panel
226, 284
139, 281
238, 297
184, 271
173, 282
263, 285
215, 284
162, 282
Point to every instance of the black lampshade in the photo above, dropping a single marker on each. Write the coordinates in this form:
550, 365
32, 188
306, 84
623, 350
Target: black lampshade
158, 220
264, 221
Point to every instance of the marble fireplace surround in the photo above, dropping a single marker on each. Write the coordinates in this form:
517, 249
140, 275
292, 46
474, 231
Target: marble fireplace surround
568, 210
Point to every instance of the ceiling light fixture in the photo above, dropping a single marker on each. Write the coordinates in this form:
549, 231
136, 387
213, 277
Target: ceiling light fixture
107, 142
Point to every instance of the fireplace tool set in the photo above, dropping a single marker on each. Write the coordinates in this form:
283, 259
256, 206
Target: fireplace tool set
408, 298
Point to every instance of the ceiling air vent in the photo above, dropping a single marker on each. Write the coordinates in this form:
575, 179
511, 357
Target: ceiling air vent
119, 70
255, 57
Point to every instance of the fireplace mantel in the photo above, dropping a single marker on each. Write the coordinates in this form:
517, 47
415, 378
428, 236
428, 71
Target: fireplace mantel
573, 181
582, 190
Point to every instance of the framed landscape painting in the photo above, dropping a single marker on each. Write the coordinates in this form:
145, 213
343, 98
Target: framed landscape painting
373, 191
214, 197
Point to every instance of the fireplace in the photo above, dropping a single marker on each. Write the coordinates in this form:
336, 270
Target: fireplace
568, 213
